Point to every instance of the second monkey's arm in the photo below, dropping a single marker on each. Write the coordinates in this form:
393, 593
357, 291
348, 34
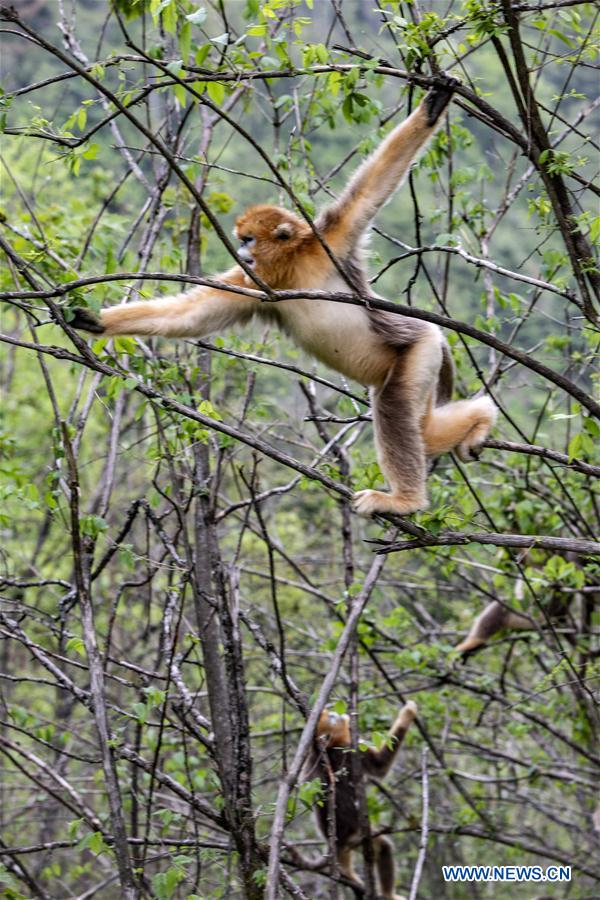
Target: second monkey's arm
379, 762
381, 174
196, 313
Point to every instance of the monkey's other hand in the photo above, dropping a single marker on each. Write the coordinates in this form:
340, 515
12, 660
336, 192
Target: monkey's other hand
84, 320
469, 644
408, 713
438, 99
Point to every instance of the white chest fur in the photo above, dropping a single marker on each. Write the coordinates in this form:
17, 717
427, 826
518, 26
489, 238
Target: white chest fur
337, 334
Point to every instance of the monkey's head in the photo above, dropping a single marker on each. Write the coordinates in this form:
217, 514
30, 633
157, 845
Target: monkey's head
334, 729
270, 239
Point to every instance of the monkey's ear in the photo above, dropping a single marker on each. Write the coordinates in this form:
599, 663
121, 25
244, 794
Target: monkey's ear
284, 231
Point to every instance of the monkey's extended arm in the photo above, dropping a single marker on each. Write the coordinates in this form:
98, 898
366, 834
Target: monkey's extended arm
379, 762
381, 174
193, 314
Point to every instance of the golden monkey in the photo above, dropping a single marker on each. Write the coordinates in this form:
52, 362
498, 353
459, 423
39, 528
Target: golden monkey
406, 362
497, 617
330, 757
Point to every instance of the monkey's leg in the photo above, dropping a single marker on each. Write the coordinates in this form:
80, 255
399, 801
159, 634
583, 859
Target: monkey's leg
463, 425
398, 410
384, 860
347, 867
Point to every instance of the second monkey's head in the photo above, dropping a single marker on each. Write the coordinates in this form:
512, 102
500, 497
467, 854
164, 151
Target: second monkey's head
334, 729
270, 240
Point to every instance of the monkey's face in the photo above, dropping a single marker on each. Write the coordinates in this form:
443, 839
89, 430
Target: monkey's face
334, 729
270, 239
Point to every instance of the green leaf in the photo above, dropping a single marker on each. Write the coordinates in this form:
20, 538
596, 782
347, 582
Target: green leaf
91, 152
96, 843
97, 71
175, 67
575, 447
562, 37
181, 94
207, 409
76, 644
93, 526
321, 53
127, 555
156, 698
92, 841
445, 238
170, 18
125, 345
216, 91
347, 109
202, 53
185, 40
311, 792
73, 828
141, 712
165, 883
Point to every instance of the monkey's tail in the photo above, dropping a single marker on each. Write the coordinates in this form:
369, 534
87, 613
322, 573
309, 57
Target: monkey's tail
445, 378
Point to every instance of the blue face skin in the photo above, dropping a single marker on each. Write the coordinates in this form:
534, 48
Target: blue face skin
245, 250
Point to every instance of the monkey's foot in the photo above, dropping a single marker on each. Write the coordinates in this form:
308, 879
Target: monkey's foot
84, 320
367, 503
485, 414
438, 99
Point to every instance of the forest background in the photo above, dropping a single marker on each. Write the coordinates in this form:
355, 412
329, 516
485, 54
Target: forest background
183, 585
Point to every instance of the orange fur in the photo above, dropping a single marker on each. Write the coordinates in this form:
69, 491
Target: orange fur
336, 730
278, 263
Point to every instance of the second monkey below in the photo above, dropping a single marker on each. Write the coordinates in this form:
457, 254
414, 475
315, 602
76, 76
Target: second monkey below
330, 761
